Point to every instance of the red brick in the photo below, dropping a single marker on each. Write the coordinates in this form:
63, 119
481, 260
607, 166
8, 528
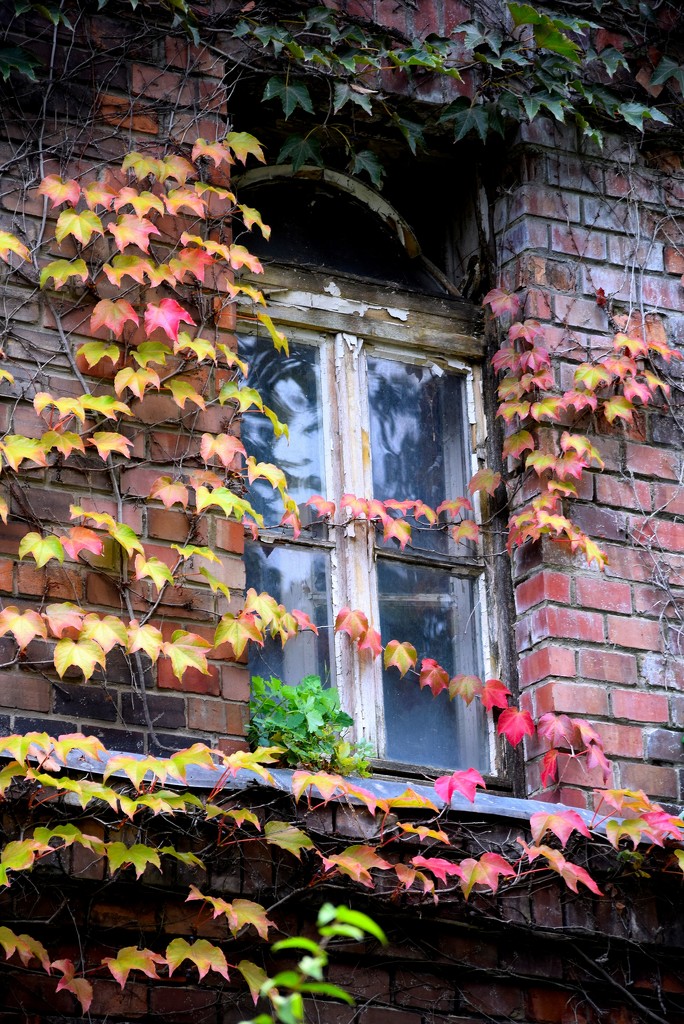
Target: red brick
548, 661
546, 907
183, 1005
54, 582
608, 666
365, 982
655, 781
669, 498
6, 574
537, 304
168, 524
654, 601
621, 740
232, 746
152, 83
423, 990
138, 481
611, 491
639, 707
572, 771
544, 202
634, 632
605, 523
576, 241
230, 536
660, 533
571, 698
654, 462
181, 54
548, 1004
544, 586
568, 623
628, 563
21, 690
578, 312
598, 592
381, 1015
10, 536
527, 234
674, 260
109, 1000
235, 683
123, 113
498, 1000
664, 672
193, 680
217, 716
166, 555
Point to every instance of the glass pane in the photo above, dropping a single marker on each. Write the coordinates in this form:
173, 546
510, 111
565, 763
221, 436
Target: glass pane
297, 577
419, 444
290, 385
436, 612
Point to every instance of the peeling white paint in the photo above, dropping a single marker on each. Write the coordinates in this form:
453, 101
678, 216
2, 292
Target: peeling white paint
309, 300
333, 289
398, 314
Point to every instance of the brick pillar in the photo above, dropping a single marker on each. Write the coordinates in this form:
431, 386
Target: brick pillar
604, 646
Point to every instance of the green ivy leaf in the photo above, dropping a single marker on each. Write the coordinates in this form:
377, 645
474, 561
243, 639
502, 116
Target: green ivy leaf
474, 119
290, 94
667, 69
636, 113
300, 150
412, 132
366, 161
345, 93
13, 58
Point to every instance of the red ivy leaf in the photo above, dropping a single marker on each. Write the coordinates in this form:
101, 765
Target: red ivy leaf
561, 823
514, 724
114, 315
167, 316
433, 675
400, 655
485, 480
371, 642
465, 782
495, 694
353, 622
549, 769
501, 302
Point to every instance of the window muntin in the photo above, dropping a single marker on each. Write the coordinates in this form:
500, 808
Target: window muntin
378, 422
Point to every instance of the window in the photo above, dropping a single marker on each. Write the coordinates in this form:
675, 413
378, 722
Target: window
380, 403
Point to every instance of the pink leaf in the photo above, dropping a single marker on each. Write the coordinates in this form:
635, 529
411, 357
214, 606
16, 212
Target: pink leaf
167, 316
465, 782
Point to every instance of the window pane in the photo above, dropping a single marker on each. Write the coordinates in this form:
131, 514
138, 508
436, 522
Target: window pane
297, 577
418, 441
290, 385
436, 612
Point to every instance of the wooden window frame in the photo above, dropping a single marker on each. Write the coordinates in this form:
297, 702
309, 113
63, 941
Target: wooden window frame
348, 315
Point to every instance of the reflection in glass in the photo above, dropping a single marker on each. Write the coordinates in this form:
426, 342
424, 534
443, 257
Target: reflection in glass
290, 385
297, 577
436, 612
418, 439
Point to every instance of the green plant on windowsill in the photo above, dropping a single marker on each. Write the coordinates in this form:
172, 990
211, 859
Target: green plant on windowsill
308, 722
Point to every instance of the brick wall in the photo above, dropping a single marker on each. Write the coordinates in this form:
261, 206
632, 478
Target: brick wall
117, 94
604, 645
538, 953
571, 220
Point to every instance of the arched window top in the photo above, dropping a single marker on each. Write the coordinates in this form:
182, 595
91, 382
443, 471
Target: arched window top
325, 220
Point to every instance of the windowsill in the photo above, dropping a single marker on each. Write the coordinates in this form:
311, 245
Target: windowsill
204, 779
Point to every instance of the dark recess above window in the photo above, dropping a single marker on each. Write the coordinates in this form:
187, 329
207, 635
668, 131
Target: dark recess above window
315, 226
